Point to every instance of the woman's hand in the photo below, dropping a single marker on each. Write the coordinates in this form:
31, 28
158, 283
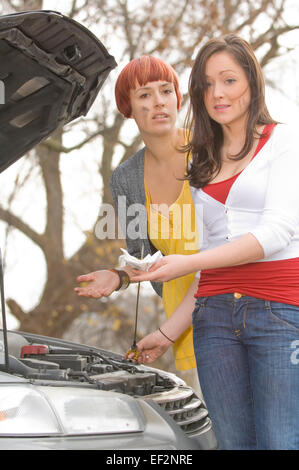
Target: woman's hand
167, 268
100, 284
150, 348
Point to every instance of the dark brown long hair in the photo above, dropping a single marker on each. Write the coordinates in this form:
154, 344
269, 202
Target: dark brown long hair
206, 134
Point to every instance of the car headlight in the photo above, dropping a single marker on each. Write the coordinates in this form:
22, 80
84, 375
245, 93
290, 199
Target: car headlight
34, 410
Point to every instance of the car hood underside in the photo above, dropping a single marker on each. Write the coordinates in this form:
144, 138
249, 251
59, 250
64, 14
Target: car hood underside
52, 69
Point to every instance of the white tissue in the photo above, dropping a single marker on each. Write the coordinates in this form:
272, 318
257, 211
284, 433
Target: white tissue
141, 264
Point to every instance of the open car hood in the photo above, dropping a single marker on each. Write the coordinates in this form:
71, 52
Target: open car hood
51, 70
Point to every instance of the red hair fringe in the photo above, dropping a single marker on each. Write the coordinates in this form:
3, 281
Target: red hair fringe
143, 70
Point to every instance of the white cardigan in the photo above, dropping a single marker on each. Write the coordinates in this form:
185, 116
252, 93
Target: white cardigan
263, 200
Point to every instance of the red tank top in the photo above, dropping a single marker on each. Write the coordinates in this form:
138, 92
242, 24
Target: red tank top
270, 280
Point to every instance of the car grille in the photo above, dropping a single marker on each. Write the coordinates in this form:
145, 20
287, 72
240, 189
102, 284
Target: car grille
187, 410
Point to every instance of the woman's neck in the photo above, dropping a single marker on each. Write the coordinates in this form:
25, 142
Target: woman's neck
234, 134
234, 137
162, 148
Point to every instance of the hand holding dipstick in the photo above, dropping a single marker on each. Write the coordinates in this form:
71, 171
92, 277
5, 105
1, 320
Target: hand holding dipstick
134, 348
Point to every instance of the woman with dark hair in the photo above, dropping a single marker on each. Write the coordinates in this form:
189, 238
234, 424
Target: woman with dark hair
245, 304
147, 90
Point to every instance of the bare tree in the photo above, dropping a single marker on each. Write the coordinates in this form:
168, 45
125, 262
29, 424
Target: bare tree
170, 29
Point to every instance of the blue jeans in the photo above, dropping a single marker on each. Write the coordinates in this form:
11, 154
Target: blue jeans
247, 353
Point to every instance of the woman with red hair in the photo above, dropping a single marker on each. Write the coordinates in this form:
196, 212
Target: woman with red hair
147, 90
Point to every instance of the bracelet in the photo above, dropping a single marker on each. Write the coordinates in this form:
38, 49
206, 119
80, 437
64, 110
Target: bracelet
124, 279
165, 335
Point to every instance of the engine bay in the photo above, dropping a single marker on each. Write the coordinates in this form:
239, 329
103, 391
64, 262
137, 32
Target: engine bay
36, 360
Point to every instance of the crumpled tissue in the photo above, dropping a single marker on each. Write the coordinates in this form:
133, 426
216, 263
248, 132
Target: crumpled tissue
141, 264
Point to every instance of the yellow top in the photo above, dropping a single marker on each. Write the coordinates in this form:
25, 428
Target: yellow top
176, 235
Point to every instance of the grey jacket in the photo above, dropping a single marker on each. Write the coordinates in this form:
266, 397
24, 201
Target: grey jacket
127, 188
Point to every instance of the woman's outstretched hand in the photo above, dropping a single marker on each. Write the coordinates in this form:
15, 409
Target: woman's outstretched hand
100, 284
167, 268
150, 348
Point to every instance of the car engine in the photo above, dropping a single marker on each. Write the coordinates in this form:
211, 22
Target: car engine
50, 361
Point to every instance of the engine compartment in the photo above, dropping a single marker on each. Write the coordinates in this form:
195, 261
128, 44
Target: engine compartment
43, 361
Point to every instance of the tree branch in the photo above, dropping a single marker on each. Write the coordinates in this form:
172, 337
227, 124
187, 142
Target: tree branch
17, 223
16, 310
171, 28
127, 27
271, 36
54, 145
255, 12
131, 149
